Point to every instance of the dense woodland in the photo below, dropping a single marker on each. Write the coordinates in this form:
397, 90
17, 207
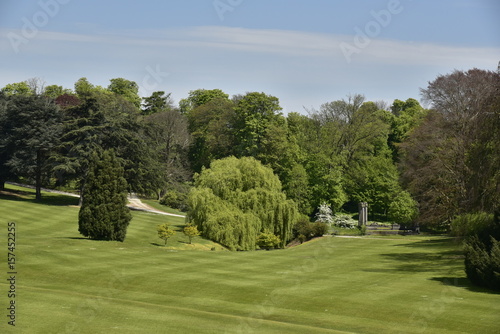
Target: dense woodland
445, 158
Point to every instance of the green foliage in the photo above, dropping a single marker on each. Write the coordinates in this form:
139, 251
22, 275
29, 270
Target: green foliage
304, 230
267, 240
471, 224
375, 180
362, 230
256, 112
32, 127
104, 214
54, 91
191, 231
403, 209
344, 221
324, 214
319, 229
481, 247
165, 232
236, 199
175, 199
104, 121
200, 97
326, 181
157, 102
212, 127
18, 88
406, 115
482, 263
126, 88
297, 188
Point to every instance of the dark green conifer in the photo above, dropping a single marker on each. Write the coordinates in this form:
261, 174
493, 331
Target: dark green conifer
104, 214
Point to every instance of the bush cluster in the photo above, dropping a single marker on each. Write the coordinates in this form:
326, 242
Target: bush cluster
344, 221
304, 230
267, 240
481, 247
175, 199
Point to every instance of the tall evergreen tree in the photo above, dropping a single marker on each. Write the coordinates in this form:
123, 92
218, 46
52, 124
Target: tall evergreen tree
31, 127
104, 214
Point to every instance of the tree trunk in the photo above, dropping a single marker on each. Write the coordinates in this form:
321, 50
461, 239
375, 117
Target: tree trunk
2, 185
38, 176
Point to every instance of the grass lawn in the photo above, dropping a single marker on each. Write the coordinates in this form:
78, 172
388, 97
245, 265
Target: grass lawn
68, 284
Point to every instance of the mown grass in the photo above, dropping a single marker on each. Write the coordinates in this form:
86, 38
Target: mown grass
68, 284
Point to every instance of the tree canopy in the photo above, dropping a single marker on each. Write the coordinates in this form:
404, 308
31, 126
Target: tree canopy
236, 199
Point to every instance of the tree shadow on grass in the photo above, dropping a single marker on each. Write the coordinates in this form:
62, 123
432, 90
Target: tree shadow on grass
29, 197
157, 244
444, 242
463, 282
430, 255
75, 238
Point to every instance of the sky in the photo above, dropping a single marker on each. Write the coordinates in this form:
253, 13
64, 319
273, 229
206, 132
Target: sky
305, 52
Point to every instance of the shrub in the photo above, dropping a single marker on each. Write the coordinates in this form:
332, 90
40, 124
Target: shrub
303, 227
319, 229
344, 221
324, 214
362, 230
472, 224
267, 240
165, 232
482, 265
191, 231
304, 230
175, 200
481, 248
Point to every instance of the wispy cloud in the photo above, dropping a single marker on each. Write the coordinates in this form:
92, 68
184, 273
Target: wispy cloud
273, 42
300, 66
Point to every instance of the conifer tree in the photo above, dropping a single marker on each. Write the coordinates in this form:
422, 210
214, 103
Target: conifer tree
104, 214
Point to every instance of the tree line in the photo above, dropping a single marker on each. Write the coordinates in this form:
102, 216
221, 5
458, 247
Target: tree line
443, 160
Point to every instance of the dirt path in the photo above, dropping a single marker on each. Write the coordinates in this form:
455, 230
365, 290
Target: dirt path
136, 204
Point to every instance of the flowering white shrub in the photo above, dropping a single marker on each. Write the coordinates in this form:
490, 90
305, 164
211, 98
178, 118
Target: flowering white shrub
344, 221
324, 214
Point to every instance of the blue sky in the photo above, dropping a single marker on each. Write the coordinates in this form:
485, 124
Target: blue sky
305, 52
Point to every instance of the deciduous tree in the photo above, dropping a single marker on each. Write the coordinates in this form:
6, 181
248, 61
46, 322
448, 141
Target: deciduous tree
191, 231
236, 199
165, 232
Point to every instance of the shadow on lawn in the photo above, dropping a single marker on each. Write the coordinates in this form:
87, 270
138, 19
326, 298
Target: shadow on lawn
463, 282
26, 196
436, 257
430, 255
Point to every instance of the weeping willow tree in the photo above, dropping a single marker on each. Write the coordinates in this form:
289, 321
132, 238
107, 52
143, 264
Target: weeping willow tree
236, 199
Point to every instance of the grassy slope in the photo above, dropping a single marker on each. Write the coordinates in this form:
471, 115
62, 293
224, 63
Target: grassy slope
67, 284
